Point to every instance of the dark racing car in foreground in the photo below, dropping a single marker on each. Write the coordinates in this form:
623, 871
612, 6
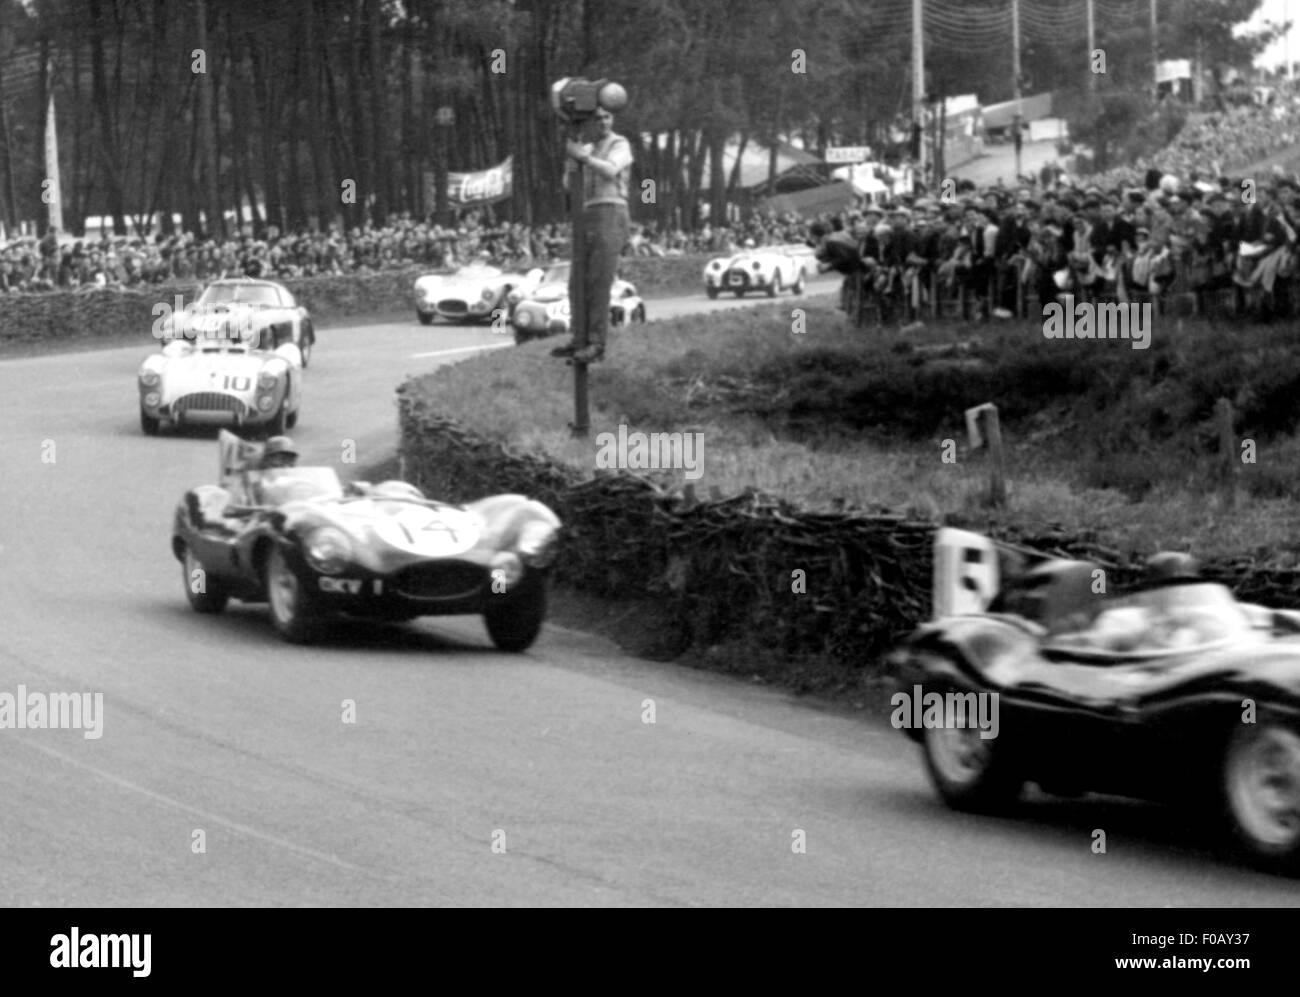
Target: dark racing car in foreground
1175, 693
298, 539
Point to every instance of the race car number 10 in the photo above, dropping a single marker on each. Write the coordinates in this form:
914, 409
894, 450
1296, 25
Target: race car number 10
236, 382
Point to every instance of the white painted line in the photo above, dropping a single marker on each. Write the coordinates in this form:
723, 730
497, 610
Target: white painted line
463, 349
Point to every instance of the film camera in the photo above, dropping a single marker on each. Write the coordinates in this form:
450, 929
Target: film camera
576, 99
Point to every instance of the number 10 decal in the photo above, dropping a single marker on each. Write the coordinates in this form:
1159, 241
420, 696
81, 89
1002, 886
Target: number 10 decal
236, 382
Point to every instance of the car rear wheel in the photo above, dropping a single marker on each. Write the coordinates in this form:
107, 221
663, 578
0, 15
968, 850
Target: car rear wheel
774, 288
205, 593
294, 611
970, 772
514, 618
149, 424
1261, 787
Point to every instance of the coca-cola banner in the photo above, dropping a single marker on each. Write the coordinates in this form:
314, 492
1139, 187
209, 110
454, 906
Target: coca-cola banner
477, 187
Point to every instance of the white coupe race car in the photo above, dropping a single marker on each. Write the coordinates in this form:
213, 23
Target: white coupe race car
769, 269
222, 382
545, 311
476, 292
261, 313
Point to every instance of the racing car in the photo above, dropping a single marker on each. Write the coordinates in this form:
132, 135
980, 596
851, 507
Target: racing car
1175, 692
309, 546
260, 311
769, 269
475, 292
219, 380
545, 310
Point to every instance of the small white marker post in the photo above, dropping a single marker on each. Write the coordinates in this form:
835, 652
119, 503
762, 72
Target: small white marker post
983, 428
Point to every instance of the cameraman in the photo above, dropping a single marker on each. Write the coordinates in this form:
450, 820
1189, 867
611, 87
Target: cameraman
598, 240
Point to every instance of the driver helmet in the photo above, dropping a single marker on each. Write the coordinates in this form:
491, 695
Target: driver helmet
1171, 566
278, 452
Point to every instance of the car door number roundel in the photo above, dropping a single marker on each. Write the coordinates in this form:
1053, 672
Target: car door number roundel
425, 532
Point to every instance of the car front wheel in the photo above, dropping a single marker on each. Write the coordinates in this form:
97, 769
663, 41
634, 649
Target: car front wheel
293, 607
970, 772
1261, 788
205, 593
149, 424
711, 291
514, 618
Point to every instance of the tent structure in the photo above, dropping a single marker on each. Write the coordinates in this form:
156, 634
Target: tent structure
796, 168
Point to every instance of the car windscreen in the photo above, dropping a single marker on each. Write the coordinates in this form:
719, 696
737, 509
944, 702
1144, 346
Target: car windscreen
284, 484
252, 294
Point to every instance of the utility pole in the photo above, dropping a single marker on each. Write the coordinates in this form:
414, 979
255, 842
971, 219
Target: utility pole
1015, 69
918, 80
1155, 53
1092, 47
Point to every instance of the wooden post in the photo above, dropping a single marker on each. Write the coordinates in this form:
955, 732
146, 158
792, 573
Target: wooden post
1223, 416
997, 467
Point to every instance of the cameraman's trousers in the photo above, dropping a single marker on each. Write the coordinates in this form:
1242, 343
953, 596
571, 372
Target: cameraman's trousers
597, 242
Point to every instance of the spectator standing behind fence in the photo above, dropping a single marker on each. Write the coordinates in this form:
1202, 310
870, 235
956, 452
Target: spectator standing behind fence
602, 182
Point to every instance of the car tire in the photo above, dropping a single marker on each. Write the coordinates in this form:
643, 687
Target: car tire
277, 424
424, 319
712, 292
774, 288
291, 419
305, 349
1261, 792
514, 618
971, 773
798, 284
214, 596
294, 611
638, 314
149, 424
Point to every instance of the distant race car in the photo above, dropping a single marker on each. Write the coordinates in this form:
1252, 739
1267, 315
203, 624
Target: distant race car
770, 269
218, 381
312, 548
476, 292
1174, 693
261, 312
545, 310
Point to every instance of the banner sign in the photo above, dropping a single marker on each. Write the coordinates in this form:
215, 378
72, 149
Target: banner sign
476, 187
848, 153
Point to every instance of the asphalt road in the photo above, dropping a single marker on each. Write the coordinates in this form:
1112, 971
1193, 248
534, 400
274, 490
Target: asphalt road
469, 777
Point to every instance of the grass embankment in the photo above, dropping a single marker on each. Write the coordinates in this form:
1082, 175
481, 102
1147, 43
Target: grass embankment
1101, 438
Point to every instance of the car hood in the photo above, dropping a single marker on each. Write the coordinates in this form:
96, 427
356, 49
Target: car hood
1001, 654
388, 534
208, 371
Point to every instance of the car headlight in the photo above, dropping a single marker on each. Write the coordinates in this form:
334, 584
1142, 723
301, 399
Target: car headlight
267, 380
757, 265
150, 378
327, 549
523, 319
507, 567
152, 399
514, 297
537, 544
488, 294
264, 403
715, 265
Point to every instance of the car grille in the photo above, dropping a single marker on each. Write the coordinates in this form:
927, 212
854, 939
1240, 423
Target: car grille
453, 306
209, 401
441, 580
737, 278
